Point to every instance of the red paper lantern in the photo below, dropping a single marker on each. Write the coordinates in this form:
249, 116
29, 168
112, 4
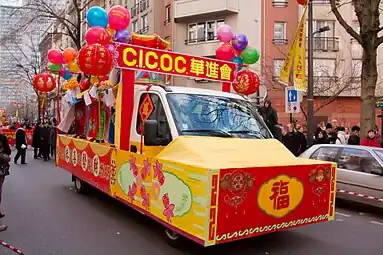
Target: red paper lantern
302, 2
247, 83
44, 82
95, 60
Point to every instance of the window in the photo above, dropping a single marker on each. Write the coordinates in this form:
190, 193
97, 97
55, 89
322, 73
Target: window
135, 26
278, 63
326, 154
203, 31
144, 4
356, 68
144, 24
167, 15
158, 114
279, 3
324, 67
325, 41
358, 160
280, 33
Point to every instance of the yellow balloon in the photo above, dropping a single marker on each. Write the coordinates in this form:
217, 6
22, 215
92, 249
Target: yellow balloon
73, 67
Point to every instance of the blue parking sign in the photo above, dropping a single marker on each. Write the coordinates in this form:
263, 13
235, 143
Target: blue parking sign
292, 96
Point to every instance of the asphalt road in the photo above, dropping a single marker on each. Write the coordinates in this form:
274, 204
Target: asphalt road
46, 217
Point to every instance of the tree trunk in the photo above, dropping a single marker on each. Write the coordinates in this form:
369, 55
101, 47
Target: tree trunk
368, 83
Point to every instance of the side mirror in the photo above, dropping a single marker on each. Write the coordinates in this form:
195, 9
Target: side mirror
151, 137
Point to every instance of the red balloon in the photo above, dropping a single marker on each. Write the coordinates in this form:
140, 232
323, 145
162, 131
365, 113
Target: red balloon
55, 57
95, 60
247, 83
44, 82
225, 52
118, 18
302, 2
97, 35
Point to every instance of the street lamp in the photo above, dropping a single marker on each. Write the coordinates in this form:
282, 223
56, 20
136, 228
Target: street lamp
310, 82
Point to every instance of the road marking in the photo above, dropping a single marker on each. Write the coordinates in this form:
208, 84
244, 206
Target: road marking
377, 223
339, 220
343, 214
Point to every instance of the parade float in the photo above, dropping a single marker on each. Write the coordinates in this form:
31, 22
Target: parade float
195, 160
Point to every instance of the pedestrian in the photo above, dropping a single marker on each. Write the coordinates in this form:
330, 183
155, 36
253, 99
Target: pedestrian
371, 139
342, 136
36, 140
301, 139
290, 140
269, 115
321, 137
5, 152
354, 137
329, 128
334, 124
21, 145
332, 137
45, 141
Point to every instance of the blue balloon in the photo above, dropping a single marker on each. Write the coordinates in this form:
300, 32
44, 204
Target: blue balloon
97, 17
239, 62
67, 75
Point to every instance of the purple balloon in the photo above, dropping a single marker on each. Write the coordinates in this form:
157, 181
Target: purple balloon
240, 42
122, 36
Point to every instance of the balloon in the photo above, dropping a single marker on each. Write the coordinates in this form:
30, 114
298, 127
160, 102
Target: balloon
69, 54
97, 16
225, 33
123, 36
118, 17
55, 56
240, 42
250, 56
67, 74
302, 2
73, 67
97, 35
239, 62
225, 52
55, 68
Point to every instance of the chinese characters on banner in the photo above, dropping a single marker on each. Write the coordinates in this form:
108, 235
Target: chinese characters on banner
166, 62
295, 53
281, 196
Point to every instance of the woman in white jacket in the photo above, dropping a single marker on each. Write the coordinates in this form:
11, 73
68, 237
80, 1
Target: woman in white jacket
342, 136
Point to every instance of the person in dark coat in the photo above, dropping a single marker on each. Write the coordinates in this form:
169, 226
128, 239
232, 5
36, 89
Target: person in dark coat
45, 141
269, 115
355, 136
5, 152
290, 140
36, 140
301, 139
332, 137
321, 137
21, 145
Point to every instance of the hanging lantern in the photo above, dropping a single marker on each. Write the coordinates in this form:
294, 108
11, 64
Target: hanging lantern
44, 82
95, 60
247, 83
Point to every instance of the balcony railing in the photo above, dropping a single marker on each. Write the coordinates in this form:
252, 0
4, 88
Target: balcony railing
143, 30
201, 39
135, 10
280, 41
144, 4
280, 3
326, 44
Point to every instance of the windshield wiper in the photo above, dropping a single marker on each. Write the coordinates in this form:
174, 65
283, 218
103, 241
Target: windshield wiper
249, 132
220, 133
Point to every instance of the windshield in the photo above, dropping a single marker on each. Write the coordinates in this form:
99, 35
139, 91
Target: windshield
206, 115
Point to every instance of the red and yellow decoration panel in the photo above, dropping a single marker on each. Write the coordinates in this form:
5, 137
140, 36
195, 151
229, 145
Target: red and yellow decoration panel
256, 201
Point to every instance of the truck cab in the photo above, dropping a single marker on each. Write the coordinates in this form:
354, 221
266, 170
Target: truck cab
163, 113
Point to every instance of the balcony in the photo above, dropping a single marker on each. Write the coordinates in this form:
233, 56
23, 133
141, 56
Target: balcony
134, 10
326, 44
143, 30
144, 5
186, 10
280, 3
201, 40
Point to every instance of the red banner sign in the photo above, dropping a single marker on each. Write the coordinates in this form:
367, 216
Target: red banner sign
170, 63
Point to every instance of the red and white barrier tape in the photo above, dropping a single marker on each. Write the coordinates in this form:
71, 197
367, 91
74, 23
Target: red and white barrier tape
11, 247
360, 195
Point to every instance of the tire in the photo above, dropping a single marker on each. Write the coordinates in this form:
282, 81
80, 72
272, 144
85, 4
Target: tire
80, 186
173, 239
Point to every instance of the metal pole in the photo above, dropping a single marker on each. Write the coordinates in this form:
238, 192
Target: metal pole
310, 82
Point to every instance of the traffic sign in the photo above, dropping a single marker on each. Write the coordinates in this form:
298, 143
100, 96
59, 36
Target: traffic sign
292, 100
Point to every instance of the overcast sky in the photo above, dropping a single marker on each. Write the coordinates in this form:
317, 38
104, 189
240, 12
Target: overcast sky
11, 2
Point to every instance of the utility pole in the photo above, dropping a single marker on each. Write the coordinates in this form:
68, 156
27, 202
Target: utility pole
310, 81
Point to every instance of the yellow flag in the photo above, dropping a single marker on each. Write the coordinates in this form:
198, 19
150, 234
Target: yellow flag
286, 68
300, 56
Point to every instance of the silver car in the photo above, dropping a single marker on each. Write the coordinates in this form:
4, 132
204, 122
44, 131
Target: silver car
360, 170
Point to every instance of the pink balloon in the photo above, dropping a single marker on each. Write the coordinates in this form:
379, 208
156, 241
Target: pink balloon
225, 52
55, 57
225, 33
118, 18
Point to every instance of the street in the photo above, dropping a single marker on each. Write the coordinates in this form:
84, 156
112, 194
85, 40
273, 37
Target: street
46, 217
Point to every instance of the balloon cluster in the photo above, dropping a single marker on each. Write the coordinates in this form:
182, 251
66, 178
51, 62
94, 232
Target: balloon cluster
235, 48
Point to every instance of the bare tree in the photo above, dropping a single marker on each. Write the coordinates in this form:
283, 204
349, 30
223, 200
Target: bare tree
47, 10
368, 15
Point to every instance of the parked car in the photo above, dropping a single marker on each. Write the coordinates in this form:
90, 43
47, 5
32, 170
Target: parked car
360, 170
